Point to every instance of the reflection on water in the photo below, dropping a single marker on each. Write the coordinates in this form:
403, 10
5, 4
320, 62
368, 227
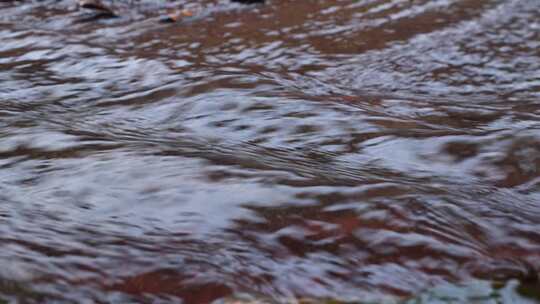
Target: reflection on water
351, 150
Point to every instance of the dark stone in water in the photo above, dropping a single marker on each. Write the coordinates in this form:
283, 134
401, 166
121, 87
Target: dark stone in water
249, 1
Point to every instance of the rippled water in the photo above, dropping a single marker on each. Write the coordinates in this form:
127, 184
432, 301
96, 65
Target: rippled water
350, 150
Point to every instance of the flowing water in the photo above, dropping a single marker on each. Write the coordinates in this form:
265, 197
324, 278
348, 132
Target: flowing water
374, 150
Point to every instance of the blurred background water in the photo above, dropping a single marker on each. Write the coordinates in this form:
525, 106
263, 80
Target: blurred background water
350, 150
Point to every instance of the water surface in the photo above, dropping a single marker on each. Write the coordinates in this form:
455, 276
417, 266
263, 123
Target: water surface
350, 150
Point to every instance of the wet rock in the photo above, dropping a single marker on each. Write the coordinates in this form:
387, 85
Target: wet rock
100, 9
176, 15
248, 1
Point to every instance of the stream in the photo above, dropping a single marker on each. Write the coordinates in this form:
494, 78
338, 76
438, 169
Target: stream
381, 151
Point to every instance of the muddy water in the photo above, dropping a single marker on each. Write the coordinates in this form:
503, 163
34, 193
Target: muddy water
350, 150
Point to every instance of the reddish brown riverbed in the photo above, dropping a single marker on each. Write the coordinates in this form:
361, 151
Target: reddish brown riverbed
352, 150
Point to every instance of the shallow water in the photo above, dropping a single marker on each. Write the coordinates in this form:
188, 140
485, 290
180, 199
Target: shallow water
352, 150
